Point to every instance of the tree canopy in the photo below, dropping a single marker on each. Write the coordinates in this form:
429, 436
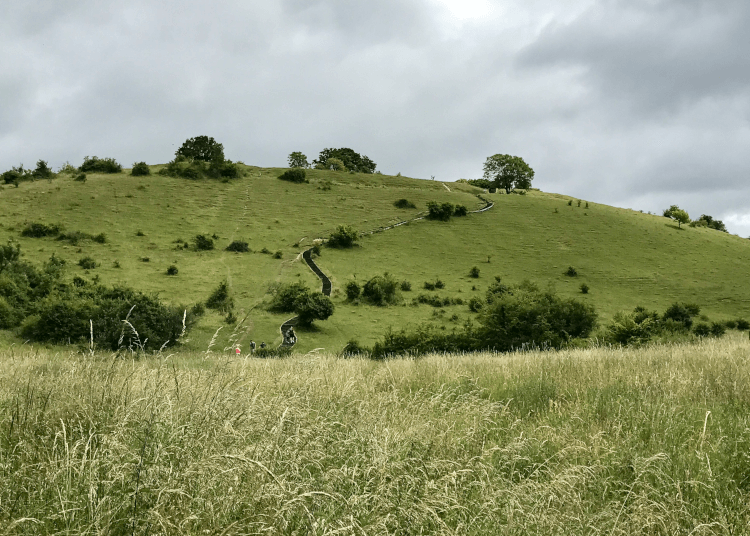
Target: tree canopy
678, 215
202, 148
508, 172
298, 160
351, 160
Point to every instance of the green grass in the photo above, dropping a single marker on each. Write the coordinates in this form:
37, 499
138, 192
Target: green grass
598, 441
627, 258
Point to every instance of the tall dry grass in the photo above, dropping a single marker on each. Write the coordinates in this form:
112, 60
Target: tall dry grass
605, 441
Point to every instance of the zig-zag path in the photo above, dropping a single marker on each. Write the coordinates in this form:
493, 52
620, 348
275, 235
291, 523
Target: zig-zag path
327, 287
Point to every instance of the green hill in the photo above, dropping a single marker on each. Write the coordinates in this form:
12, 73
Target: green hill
626, 258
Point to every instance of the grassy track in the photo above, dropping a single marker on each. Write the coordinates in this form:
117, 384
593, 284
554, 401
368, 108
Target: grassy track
602, 441
627, 258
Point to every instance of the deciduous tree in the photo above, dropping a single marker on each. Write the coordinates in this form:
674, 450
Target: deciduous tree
508, 172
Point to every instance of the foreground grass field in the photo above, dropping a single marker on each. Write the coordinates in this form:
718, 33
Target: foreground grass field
625, 257
601, 441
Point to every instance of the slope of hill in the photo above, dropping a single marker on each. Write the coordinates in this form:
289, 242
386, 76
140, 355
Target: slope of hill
627, 258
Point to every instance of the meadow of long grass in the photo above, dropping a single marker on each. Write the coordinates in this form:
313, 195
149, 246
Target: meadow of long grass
597, 441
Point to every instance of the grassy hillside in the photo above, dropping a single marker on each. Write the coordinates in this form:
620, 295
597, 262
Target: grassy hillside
598, 441
627, 258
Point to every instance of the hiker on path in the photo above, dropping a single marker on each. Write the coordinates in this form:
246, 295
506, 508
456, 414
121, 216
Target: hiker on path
262, 345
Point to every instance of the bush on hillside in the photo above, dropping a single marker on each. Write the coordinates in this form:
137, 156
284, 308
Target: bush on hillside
41, 230
743, 324
460, 210
433, 285
571, 272
440, 211
294, 175
682, 313
343, 237
203, 242
15, 175
140, 169
354, 348
344, 159
474, 272
405, 286
480, 183
81, 177
353, 290
220, 300
42, 171
312, 306
404, 203
87, 263
172, 270
285, 295
94, 164
381, 290
238, 246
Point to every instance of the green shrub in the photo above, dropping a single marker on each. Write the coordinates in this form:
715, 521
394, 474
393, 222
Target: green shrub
480, 183
460, 210
10, 317
405, 286
220, 300
278, 255
343, 237
682, 313
238, 246
353, 348
440, 211
140, 169
316, 250
381, 290
584, 288
297, 175
353, 290
474, 272
87, 263
743, 324
40, 230
285, 295
42, 171
731, 324
81, 177
15, 175
571, 272
717, 329
203, 243
433, 285
475, 304
404, 203
312, 306
701, 329
95, 164
632, 328
172, 270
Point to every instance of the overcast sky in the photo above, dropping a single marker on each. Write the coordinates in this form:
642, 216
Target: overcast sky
634, 103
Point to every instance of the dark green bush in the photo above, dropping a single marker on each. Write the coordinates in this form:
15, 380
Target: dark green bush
238, 246
316, 250
95, 164
87, 263
682, 313
278, 255
172, 270
633, 328
480, 183
731, 324
42, 171
571, 272
404, 203
423, 340
201, 148
294, 175
701, 329
405, 286
203, 243
285, 295
584, 288
220, 300
312, 306
475, 304
743, 324
474, 272
717, 329
40, 230
15, 175
343, 237
353, 290
460, 210
440, 211
381, 290
353, 348
81, 177
140, 169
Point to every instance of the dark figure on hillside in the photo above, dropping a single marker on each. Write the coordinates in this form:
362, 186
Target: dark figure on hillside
262, 345
252, 347
292, 336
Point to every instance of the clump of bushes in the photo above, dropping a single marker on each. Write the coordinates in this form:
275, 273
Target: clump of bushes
297, 298
220, 300
404, 203
238, 246
140, 169
440, 211
571, 272
94, 164
460, 210
41, 230
81, 177
297, 175
381, 290
172, 270
354, 348
203, 242
87, 263
405, 286
474, 272
75, 237
200, 157
433, 285
437, 301
584, 288
353, 290
343, 237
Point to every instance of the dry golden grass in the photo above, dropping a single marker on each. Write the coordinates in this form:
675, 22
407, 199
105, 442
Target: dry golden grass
602, 441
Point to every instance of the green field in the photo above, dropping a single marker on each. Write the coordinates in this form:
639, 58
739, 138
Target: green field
597, 441
627, 258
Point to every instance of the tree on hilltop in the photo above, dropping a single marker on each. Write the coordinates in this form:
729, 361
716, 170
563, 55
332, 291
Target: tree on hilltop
508, 172
678, 215
202, 148
351, 160
298, 160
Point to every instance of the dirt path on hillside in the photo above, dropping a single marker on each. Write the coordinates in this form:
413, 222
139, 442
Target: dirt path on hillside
327, 286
